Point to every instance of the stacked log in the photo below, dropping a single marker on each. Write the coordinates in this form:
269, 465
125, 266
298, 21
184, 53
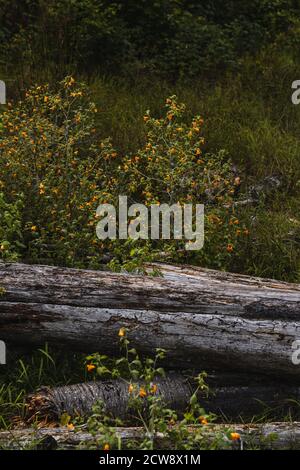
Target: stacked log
204, 319
241, 329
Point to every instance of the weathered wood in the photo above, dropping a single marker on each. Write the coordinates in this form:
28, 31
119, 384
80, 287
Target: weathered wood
234, 401
273, 436
203, 318
78, 399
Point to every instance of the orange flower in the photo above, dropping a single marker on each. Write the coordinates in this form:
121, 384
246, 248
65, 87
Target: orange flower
90, 367
106, 447
70, 427
142, 393
235, 436
229, 248
130, 388
154, 388
122, 332
203, 420
33, 228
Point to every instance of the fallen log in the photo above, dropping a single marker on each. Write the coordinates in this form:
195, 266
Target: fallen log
274, 436
48, 404
233, 401
203, 318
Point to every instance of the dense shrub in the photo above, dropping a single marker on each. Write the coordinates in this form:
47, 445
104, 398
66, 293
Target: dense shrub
51, 154
173, 37
10, 228
173, 167
57, 36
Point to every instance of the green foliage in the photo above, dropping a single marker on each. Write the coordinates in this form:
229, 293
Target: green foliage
251, 116
172, 167
10, 228
272, 248
174, 37
25, 373
55, 36
52, 154
147, 408
153, 161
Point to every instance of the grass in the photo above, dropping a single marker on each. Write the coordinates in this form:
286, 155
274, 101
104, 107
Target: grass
25, 373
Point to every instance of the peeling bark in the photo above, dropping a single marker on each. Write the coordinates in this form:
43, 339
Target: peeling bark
203, 318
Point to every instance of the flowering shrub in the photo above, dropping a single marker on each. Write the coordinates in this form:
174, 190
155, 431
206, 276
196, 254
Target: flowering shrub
173, 167
148, 409
50, 153
10, 229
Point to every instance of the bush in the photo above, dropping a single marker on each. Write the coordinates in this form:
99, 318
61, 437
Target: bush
173, 167
52, 155
55, 37
10, 228
148, 409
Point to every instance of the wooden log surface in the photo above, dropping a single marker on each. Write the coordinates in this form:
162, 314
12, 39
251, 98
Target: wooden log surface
271, 436
203, 318
232, 400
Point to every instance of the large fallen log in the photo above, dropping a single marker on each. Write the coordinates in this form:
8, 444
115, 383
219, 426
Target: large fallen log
233, 401
203, 318
48, 404
272, 436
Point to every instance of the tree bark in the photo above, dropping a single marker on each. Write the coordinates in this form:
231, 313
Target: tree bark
79, 399
203, 318
273, 436
234, 401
